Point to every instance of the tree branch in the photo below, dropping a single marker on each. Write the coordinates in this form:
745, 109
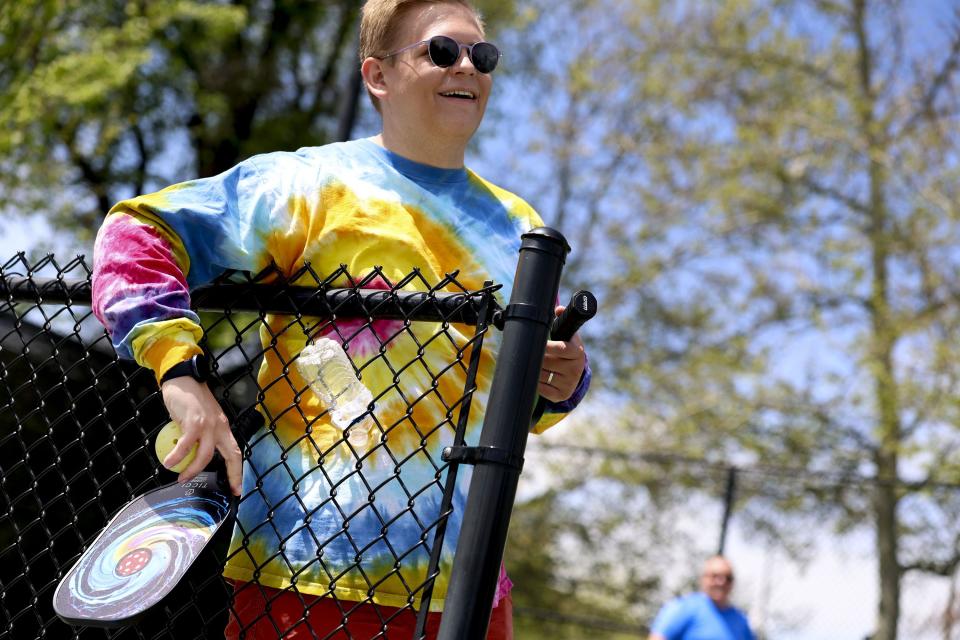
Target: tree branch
944, 568
325, 84
926, 107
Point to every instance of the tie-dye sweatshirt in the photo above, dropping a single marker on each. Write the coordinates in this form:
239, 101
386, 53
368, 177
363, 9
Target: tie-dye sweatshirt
317, 512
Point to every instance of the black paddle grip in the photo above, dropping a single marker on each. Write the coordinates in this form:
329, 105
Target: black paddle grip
244, 427
582, 307
248, 423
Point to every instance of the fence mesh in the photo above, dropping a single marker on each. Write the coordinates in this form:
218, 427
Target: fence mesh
77, 427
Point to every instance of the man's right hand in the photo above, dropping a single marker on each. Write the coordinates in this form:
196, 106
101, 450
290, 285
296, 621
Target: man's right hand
192, 405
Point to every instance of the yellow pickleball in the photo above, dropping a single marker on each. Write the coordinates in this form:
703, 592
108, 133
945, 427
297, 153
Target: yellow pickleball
167, 439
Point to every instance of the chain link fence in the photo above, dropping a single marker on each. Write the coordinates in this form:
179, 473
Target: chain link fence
77, 427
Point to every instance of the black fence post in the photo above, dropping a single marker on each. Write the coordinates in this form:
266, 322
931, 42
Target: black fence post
728, 499
527, 320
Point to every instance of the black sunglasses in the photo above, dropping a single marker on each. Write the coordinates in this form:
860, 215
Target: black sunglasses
445, 51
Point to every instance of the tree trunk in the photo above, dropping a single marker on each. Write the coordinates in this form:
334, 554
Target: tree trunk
883, 336
950, 611
885, 505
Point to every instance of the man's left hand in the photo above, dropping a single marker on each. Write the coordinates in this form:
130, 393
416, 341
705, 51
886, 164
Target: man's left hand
563, 365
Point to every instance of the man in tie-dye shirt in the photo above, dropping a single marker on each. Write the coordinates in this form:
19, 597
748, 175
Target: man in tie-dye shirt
315, 540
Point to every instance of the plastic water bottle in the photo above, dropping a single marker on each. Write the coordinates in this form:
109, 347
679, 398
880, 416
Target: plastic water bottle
327, 369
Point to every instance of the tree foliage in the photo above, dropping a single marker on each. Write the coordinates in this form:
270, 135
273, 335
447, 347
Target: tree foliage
764, 194
107, 99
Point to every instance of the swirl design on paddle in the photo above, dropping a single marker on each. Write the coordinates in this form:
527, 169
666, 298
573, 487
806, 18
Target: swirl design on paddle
141, 555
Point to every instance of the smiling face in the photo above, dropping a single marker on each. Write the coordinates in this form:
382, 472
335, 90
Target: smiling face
425, 106
717, 580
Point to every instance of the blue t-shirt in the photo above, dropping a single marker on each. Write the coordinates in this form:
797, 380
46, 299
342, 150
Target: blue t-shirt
696, 617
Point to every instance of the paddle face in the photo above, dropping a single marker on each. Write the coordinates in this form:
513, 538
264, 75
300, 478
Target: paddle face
142, 553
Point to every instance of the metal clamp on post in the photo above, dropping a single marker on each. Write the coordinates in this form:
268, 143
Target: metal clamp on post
522, 311
482, 455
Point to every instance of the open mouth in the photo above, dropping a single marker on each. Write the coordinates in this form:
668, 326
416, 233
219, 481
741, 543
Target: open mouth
459, 94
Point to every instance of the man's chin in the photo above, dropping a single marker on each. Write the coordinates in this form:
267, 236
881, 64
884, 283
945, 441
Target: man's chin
721, 601
457, 129
460, 116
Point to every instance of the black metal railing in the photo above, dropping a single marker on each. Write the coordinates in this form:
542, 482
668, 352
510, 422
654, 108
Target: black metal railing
77, 424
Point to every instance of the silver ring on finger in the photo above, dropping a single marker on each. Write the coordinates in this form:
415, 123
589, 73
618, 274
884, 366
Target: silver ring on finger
550, 377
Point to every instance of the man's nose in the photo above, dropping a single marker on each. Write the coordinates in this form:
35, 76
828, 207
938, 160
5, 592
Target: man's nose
464, 64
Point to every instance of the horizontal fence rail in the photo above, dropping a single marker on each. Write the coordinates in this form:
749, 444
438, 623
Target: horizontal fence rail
386, 305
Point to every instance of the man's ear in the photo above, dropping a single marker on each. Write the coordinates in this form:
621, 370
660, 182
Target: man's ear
373, 77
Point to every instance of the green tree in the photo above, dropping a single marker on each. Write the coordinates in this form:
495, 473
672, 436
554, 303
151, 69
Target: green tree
588, 553
106, 99
763, 193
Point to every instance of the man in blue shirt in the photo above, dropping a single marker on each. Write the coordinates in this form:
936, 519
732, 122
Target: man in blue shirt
707, 614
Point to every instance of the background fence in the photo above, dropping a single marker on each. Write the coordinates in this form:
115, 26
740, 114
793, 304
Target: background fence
77, 423
800, 575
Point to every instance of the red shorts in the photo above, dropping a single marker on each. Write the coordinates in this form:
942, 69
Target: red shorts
262, 613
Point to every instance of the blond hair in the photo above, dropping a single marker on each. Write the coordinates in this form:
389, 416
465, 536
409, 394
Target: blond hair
379, 21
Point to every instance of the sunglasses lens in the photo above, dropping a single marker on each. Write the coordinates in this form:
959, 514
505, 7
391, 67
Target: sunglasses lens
444, 51
485, 57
